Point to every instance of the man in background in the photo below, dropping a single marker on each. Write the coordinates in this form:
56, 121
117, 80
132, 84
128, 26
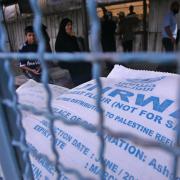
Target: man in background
170, 29
131, 11
169, 37
108, 29
127, 27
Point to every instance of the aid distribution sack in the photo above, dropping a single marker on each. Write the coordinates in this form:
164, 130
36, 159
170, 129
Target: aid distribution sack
141, 103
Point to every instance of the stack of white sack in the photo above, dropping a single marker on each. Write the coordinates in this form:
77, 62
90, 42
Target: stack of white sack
142, 103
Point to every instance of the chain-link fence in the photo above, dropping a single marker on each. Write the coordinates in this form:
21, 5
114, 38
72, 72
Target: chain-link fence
14, 150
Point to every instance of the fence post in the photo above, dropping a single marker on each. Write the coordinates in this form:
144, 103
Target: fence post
8, 160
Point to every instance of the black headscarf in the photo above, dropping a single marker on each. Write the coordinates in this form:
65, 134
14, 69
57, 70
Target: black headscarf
62, 26
64, 41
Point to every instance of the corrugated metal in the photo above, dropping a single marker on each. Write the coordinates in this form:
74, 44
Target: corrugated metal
48, 7
16, 29
52, 22
12, 12
114, 1
157, 11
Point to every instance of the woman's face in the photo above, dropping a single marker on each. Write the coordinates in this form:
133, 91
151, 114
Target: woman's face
68, 28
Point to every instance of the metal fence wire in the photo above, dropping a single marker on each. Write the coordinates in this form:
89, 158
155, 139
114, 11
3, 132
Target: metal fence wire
14, 151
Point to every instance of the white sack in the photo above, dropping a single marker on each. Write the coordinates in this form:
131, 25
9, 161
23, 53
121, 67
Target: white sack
139, 102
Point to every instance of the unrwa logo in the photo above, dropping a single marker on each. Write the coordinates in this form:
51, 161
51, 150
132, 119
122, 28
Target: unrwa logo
147, 84
148, 80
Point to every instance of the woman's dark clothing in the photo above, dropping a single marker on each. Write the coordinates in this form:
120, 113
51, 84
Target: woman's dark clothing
80, 71
66, 43
46, 38
108, 28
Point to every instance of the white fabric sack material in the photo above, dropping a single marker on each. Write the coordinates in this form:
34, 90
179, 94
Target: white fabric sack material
34, 94
119, 72
142, 103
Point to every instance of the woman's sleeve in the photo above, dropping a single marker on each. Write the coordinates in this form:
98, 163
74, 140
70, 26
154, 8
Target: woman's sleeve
58, 45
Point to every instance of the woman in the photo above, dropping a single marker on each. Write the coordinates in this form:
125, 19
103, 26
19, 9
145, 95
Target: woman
67, 42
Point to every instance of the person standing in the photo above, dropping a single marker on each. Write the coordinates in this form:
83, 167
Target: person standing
169, 37
126, 30
66, 41
46, 38
170, 29
108, 30
131, 11
108, 36
131, 22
